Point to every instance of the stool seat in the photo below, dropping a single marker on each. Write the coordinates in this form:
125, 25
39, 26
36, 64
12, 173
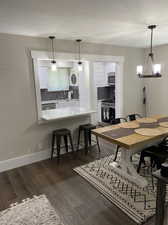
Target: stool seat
88, 126
62, 132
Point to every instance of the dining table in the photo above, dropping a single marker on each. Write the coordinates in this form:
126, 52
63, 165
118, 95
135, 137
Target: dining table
132, 137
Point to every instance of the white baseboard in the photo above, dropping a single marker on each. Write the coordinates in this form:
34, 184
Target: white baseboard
23, 160
28, 159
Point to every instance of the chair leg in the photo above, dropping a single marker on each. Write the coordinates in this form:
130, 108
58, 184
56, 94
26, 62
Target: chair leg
90, 137
116, 153
140, 162
86, 141
71, 142
58, 147
97, 140
52, 145
78, 140
66, 143
151, 160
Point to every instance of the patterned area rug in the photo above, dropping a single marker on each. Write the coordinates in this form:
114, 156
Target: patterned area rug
137, 203
35, 211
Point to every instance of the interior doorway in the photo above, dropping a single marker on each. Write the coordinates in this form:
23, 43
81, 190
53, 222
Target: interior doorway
107, 84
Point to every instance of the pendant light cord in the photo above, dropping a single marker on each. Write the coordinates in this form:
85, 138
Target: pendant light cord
151, 48
52, 46
79, 50
151, 27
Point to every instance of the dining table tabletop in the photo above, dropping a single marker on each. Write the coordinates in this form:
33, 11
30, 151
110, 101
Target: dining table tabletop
132, 137
127, 137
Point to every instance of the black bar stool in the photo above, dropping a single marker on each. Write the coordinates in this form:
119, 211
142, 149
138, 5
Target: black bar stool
87, 130
56, 136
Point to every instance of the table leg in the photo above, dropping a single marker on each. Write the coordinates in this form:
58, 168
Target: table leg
127, 169
160, 202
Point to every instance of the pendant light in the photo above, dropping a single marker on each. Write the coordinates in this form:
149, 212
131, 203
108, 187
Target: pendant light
80, 66
53, 62
151, 69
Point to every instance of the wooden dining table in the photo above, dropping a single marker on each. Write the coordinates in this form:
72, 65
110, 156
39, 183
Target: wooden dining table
127, 136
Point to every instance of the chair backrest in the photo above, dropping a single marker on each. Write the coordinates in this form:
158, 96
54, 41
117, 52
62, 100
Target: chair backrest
164, 143
132, 117
118, 120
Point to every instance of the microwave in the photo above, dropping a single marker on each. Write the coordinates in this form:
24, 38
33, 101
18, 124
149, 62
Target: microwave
111, 78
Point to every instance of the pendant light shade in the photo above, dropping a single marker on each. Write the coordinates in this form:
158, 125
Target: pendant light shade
150, 69
80, 65
53, 61
53, 65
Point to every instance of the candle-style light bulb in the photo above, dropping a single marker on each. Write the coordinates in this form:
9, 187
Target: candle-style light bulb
139, 70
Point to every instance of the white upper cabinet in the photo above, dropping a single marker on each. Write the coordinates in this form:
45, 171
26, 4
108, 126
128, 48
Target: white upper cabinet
101, 71
100, 77
110, 67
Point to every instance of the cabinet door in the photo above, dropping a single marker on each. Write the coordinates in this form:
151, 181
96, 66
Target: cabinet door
43, 77
99, 74
110, 67
99, 117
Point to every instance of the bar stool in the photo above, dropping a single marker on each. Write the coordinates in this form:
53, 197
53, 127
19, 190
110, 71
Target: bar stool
56, 136
87, 129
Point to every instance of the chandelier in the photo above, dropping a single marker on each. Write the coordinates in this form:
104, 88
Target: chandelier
150, 69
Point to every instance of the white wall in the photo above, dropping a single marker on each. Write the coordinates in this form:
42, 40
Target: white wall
157, 88
19, 132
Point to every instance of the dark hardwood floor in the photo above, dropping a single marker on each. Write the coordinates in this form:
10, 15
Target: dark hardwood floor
74, 199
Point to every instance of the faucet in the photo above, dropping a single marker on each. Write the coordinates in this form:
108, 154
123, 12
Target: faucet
70, 95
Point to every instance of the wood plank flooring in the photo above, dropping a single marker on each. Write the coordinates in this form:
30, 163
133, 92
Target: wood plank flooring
74, 199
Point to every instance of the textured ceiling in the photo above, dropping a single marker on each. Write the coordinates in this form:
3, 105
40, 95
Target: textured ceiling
117, 22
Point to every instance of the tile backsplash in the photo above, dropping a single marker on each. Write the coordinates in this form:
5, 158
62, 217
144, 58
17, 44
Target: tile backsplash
58, 95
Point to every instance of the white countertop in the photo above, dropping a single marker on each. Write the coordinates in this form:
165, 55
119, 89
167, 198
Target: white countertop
62, 113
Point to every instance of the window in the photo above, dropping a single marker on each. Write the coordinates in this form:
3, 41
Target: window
58, 80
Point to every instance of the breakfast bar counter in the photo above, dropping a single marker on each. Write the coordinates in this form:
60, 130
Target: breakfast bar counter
67, 112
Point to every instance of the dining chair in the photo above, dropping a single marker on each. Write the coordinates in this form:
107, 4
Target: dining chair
117, 121
133, 117
158, 154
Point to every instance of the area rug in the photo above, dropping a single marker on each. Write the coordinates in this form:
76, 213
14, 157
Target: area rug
35, 211
139, 204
